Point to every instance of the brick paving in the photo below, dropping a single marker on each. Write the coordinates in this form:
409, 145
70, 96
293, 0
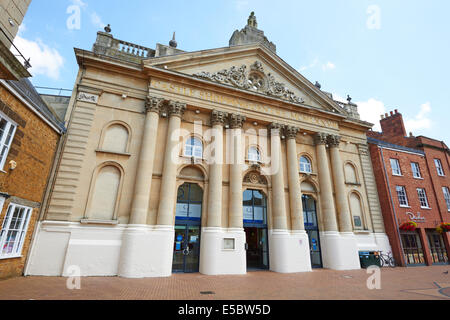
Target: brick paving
418, 283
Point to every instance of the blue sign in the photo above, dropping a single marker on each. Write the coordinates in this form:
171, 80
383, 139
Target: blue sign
179, 237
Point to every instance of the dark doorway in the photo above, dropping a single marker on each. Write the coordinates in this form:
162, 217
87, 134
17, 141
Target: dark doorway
186, 249
312, 229
255, 226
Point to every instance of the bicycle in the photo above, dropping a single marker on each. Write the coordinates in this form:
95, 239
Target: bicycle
387, 260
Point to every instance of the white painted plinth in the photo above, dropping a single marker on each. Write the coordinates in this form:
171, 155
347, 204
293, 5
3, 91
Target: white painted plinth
339, 250
289, 251
146, 252
217, 260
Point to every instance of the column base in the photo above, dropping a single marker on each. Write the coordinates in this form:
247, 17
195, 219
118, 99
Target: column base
146, 252
339, 250
289, 251
217, 260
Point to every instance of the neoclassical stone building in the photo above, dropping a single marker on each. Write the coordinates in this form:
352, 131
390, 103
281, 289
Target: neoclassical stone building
218, 161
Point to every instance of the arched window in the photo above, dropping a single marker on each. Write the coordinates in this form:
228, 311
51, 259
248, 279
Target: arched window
254, 154
104, 197
305, 165
356, 210
194, 148
116, 139
255, 207
350, 173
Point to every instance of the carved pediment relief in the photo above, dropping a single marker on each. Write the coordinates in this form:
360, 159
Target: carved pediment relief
252, 79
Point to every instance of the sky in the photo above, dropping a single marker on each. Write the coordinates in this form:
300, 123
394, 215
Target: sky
385, 54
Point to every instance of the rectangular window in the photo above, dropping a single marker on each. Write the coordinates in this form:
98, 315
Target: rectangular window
395, 165
440, 170
446, 196
402, 198
7, 131
416, 170
14, 229
422, 198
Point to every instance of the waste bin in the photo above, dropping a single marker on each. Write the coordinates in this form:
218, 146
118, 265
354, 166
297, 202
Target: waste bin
364, 258
368, 259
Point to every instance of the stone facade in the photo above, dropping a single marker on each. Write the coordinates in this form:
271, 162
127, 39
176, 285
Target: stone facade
153, 143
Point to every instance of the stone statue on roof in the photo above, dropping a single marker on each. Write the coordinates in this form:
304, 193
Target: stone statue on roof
252, 20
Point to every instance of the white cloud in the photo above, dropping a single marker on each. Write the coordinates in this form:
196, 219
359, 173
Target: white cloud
79, 3
421, 120
328, 66
316, 62
44, 60
97, 21
370, 110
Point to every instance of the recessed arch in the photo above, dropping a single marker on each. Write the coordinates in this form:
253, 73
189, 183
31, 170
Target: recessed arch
350, 172
356, 210
115, 137
105, 191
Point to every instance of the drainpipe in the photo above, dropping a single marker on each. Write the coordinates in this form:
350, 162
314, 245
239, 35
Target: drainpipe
392, 203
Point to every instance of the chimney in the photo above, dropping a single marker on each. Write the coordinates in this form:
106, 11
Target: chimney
392, 125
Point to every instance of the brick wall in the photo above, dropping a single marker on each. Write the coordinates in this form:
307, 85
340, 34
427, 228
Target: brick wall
33, 150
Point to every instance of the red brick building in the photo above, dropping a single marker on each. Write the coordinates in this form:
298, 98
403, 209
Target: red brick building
413, 181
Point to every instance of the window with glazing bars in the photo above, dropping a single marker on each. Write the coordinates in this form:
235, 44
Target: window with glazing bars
416, 170
14, 230
395, 165
402, 198
446, 196
422, 198
440, 170
7, 131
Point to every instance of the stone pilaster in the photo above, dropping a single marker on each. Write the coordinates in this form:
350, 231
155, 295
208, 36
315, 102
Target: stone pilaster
144, 173
295, 193
218, 120
236, 219
326, 188
279, 202
169, 174
343, 210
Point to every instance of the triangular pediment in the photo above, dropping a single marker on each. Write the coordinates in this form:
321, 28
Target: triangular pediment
252, 68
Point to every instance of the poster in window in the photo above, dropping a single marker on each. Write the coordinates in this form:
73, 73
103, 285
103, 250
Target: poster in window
248, 213
259, 215
182, 210
195, 211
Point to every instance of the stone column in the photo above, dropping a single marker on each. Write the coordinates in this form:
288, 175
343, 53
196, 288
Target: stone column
144, 173
344, 216
236, 219
169, 174
295, 193
278, 198
326, 188
218, 119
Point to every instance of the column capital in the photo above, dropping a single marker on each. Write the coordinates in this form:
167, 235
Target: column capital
176, 108
291, 132
320, 138
218, 117
237, 121
275, 128
334, 141
153, 104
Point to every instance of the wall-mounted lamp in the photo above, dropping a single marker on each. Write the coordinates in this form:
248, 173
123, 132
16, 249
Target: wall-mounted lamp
12, 165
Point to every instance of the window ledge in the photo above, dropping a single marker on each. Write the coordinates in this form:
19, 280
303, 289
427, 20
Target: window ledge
308, 173
405, 206
397, 175
114, 152
419, 178
92, 221
353, 183
11, 257
426, 208
361, 231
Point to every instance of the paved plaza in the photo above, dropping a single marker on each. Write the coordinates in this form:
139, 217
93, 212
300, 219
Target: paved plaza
423, 283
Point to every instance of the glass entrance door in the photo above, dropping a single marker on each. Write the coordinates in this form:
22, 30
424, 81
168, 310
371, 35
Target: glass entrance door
255, 226
312, 229
186, 248
437, 248
186, 251
412, 248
